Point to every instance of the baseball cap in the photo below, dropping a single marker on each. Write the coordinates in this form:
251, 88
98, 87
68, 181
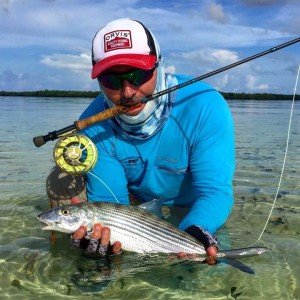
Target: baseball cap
124, 42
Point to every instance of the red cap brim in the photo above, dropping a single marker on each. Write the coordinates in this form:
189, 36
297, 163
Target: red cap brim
139, 61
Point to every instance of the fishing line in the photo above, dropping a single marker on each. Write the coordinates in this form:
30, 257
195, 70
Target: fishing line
105, 185
284, 160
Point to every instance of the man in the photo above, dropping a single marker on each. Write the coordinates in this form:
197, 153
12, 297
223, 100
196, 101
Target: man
178, 147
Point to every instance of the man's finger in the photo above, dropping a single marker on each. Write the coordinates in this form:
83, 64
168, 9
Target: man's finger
94, 246
212, 251
100, 235
75, 200
104, 242
181, 255
79, 233
210, 261
97, 231
116, 248
188, 256
105, 236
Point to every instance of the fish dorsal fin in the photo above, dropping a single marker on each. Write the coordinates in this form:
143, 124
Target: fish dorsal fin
153, 206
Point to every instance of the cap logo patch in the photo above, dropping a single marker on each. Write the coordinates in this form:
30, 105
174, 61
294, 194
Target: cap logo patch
119, 39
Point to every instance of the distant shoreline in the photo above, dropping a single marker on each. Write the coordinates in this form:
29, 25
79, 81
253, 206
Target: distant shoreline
93, 94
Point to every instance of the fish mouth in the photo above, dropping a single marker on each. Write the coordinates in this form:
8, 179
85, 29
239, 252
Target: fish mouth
49, 225
55, 226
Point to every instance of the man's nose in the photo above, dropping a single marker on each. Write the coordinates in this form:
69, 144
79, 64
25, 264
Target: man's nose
128, 89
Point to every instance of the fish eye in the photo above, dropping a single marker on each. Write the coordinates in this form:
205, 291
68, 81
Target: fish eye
65, 212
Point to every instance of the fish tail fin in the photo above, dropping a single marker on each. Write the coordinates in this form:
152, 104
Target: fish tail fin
242, 252
236, 264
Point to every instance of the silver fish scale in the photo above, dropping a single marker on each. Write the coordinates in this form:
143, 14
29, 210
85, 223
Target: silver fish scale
140, 231
137, 230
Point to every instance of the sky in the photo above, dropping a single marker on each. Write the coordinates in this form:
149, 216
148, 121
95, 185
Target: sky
46, 44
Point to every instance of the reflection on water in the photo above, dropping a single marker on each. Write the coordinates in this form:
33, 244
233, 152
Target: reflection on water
31, 268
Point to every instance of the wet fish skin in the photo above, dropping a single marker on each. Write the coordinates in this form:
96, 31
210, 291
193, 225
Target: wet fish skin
137, 230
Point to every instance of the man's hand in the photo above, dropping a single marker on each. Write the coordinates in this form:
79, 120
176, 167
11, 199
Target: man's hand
208, 240
98, 243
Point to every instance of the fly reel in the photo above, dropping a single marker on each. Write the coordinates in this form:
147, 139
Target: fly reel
75, 154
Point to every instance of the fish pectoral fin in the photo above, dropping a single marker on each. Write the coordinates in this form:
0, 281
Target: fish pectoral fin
236, 264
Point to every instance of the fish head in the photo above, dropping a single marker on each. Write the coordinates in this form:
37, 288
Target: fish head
63, 219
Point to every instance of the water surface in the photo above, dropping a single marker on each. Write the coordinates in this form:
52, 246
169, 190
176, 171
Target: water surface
31, 269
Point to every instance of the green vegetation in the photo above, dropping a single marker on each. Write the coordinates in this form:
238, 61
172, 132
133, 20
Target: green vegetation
92, 94
53, 93
257, 96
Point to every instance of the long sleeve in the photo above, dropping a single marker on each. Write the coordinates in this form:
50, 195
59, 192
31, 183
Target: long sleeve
212, 166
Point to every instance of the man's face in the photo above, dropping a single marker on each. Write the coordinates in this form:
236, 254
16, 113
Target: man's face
125, 85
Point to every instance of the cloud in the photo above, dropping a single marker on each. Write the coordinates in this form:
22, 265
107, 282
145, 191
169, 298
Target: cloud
81, 62
10, 81
217, 14
209, 56
53, 38
224, 56
252, 85
221, 82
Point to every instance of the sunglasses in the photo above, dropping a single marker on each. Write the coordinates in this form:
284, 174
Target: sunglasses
136, 77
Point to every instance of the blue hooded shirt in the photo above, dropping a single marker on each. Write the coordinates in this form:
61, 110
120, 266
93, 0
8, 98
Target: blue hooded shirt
189, 162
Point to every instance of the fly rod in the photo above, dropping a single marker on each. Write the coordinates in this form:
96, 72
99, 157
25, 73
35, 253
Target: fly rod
121, 109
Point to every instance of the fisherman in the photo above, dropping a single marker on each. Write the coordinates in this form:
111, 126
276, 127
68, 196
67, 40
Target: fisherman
178, 147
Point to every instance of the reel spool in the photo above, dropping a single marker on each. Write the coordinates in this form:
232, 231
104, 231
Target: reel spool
75, 154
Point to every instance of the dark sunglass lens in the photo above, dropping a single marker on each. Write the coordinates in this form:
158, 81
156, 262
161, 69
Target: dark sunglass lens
139, 77
115, 81
111, 81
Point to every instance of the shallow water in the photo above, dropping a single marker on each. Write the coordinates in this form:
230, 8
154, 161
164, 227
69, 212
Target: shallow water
31, 269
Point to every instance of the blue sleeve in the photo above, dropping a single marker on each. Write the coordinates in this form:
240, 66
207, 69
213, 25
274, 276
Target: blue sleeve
212, 166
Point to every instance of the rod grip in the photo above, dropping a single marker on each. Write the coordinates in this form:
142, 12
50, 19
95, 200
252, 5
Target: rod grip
104, 115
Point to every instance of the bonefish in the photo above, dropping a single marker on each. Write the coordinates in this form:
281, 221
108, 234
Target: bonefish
137, 230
